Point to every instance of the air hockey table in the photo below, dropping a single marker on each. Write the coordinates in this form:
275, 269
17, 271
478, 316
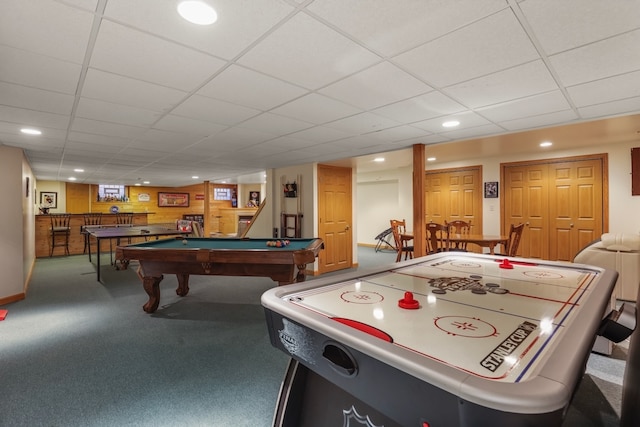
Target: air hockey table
452, 339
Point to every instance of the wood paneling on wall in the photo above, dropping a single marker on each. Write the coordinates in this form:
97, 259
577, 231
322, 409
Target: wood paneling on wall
78, 198
137, 204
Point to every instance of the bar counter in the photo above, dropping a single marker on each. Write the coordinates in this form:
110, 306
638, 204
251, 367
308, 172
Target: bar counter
76, 239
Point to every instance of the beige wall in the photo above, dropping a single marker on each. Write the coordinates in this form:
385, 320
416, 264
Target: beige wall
17, 252
623, 207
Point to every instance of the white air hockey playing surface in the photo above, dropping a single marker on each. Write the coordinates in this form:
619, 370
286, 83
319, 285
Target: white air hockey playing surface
511, 336
473, 314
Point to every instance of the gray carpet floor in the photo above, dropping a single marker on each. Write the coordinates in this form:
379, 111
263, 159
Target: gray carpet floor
78, 352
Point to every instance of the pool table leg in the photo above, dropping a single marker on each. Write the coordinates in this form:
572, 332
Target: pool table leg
151, 286
183, 284
301, 259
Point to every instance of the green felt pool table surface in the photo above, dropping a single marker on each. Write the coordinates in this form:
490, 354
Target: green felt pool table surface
223, 243
215, 256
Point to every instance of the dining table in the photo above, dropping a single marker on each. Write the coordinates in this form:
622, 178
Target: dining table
482, 240
489, 241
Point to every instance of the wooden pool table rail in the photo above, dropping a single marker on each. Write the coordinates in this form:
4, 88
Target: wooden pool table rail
282, 266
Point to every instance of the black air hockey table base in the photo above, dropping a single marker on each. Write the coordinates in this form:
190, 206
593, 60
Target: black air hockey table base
309, 400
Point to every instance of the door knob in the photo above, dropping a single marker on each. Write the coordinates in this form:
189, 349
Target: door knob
346, 228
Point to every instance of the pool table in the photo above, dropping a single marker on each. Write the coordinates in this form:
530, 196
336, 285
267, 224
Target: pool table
211, 256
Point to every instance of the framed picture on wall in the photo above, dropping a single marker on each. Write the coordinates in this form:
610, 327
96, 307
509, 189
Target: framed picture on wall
491, 190
254, 199
49, 199
178, 200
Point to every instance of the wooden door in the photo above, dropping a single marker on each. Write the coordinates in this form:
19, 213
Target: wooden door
435, 196
562, 203
335, 218
453, 194
575, 207
527, 202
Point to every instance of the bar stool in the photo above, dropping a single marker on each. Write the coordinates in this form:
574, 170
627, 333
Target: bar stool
90, 219
124, 219
59, 232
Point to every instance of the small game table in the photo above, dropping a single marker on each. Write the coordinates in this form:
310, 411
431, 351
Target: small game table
211, 256
451, 339
124, 231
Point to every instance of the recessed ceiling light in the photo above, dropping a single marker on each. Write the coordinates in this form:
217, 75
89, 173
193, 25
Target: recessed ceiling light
197, 12
78, 170
379, 159
546, 144
195, 177
431, 159
72, 178
137, 184
450, 124
30, 131
146, 182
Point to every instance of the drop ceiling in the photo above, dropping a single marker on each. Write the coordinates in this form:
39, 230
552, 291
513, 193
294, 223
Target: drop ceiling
130, 92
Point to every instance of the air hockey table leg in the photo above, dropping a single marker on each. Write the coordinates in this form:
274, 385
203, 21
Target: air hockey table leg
630, 414
290, 396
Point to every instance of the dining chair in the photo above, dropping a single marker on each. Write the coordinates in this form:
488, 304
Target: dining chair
438, 238
459, 226
515, 234
399, 229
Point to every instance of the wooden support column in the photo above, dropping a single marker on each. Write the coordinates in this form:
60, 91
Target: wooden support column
207, 209
419, 226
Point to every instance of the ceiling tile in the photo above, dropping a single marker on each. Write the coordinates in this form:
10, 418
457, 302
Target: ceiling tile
114, 113
517, 82
605, 90
45, 27
598, 60
209, 109
38, 71
392, 27
246, 87
363, 123
189, 126
526, 107
492, 44
558, 30
104, 128
315, 108
467, 119
150, 58
422, 107
40, 119
35, 99
320, 134
126, 91
240, 22
275, 124
307, 53
541, 120
623, 106
376, 86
